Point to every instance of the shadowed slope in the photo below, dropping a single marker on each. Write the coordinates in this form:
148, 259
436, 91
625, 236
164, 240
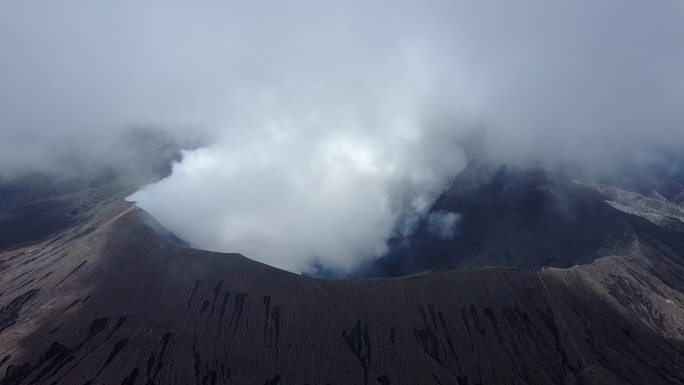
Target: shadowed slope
36, 205
110, 301
512, 217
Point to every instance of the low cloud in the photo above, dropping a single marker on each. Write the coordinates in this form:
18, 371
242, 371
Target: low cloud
298, 189
330, 127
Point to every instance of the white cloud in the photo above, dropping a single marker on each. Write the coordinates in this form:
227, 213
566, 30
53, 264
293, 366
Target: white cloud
297, 189
336, 122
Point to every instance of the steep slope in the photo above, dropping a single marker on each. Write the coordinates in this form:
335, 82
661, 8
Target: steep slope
37, 204
110, 301
108, 296
529, 218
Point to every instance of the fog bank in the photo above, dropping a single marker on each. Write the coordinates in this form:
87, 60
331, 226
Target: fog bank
333, 126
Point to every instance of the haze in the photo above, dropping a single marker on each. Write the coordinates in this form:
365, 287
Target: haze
332, 127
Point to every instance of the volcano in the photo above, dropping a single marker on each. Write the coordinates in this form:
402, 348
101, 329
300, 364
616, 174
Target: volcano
546, 280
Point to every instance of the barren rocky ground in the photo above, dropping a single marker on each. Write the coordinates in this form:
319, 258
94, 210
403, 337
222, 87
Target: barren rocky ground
97, 296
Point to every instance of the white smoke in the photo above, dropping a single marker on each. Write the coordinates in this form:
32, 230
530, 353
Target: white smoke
335, 123
303, 182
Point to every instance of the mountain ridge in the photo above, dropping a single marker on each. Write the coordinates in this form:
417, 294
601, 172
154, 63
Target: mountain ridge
153, 288
113, 298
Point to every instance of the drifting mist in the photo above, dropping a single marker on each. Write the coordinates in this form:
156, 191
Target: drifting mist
333, 127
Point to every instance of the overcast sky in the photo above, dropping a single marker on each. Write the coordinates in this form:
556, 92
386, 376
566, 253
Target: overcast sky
334, 123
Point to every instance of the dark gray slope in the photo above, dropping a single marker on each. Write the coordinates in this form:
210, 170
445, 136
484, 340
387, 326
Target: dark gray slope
109, 301
118, 304
512, 217
37, 204
104, 295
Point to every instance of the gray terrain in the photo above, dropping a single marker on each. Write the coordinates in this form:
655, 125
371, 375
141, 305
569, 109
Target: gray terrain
549, 280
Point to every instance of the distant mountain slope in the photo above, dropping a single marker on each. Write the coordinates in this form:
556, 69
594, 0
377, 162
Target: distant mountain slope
38, 204
522, 218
